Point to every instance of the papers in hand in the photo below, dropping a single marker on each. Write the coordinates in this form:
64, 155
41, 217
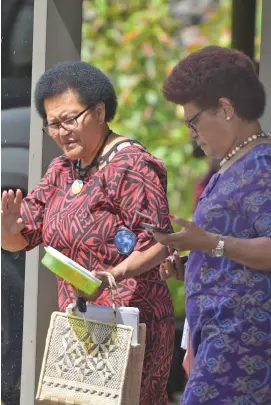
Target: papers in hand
184, 344
124, 316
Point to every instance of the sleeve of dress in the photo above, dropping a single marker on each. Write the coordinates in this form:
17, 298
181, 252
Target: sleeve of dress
32, 210
140, 195
256, 195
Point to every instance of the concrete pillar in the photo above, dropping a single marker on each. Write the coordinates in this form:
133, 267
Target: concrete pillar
265, 61
57, 37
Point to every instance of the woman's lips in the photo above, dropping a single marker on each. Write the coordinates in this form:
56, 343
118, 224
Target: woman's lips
69, 143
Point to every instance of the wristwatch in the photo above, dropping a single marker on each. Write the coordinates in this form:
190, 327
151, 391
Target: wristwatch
219, 250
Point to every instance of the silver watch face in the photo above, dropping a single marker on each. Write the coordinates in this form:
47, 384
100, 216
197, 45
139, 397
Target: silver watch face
218, 252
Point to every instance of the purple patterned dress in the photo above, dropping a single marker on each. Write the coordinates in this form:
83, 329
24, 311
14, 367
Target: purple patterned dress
228, 304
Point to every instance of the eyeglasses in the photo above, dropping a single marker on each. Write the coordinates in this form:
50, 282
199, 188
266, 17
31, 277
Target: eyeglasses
192, 122
69, 124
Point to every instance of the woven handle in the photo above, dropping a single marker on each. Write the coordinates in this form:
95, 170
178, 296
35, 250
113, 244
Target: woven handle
81, 303
113, 285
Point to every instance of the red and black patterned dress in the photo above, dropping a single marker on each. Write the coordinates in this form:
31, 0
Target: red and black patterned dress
83, 227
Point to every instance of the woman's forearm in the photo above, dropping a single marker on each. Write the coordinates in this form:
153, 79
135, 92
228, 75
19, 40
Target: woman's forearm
254, 253
140, 261
13, 243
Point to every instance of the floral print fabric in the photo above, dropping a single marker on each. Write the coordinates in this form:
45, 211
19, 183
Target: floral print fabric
228, 304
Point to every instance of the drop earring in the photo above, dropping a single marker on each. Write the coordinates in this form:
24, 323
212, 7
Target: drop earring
228, 118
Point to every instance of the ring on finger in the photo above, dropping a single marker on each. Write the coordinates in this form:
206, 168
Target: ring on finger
173, 261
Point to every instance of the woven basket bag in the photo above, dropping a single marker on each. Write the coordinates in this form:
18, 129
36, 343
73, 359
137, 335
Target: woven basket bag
87, 362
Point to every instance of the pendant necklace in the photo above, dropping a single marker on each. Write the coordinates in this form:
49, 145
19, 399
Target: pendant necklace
78, 184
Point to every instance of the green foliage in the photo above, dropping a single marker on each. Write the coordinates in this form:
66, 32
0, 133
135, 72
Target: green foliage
216, 27
134, 43
178, 297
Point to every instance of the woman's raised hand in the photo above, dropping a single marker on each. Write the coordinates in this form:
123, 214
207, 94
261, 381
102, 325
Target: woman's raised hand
11, 220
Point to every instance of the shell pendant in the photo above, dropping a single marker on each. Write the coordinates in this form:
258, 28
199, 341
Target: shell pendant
77, 186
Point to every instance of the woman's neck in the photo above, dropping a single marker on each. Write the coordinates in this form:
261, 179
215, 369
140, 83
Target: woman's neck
245, 131
98, 150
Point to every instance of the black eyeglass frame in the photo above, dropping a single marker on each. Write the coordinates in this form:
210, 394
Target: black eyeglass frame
46, 127
190, 124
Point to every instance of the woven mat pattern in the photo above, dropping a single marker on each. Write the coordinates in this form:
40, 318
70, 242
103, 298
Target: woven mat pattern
85, 361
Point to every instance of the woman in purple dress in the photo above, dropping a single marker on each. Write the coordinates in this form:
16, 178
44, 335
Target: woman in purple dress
228, 274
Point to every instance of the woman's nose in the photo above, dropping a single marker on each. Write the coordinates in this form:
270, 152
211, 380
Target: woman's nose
193, 134
63, 131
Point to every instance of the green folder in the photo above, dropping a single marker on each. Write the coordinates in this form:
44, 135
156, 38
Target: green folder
70, 271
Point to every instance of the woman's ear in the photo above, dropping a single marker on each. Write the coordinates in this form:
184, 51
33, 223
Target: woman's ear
226, 108
100, 113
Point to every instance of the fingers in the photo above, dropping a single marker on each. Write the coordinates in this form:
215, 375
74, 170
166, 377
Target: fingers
181, 221
163, 272
4, 202
171, 270
102, 276
99, 274
173, 267
18, 197
164, 239
20, 221
172, 240
167, 270
9, 199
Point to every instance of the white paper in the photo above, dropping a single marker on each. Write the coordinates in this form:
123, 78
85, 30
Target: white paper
124, 316
184, 344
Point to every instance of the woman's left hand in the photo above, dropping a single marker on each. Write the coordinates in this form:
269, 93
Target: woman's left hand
192, 237
101, 275
173, 267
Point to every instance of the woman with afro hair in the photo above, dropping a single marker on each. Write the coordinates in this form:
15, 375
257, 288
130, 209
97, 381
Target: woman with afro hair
102, 185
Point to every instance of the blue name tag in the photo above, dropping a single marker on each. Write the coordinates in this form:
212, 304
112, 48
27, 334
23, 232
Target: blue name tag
125, 241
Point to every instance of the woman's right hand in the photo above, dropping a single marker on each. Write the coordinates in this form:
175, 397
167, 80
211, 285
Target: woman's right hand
11, 220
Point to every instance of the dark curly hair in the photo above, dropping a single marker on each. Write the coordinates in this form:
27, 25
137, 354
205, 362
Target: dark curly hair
203, 77
90, 83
